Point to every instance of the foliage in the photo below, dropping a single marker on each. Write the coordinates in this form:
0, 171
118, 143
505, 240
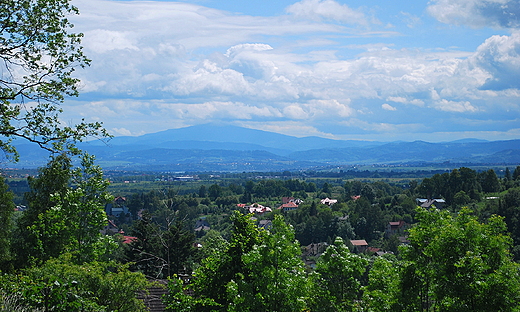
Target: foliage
80, 211
157, 252
6, 213
60, 285
38, 56
66, 213
381, 293
338, 279
458, 264
275, 278
216, 271
41, 245
178, 300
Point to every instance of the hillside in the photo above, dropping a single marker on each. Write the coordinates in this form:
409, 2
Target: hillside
229, 148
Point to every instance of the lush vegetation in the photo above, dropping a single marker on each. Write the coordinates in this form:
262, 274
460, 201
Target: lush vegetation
70, 246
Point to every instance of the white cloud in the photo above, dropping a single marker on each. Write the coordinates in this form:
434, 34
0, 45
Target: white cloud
234, 50
159, 64
500, 57
103, 40
454, 106
318, 10
477, 13
400, 99
388, 107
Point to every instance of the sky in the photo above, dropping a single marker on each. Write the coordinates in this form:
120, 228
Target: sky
377, 70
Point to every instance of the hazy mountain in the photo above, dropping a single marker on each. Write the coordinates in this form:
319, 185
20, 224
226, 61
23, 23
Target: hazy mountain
230, 148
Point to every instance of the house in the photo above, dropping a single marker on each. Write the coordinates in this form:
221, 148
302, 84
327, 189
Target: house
289, 206
117, 207
258, 209
265, 224
438, 203
396, 228
329, 202
286, 200
128, 239
110, 228
202, 225
360, 245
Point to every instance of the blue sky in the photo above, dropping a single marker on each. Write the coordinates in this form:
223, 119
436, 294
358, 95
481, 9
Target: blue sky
380, 70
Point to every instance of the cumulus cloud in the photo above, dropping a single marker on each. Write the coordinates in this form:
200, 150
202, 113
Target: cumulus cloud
477, 13
500, 57
388, 107
172, 63
326, 10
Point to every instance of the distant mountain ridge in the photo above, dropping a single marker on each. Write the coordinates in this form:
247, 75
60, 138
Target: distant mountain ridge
230, 148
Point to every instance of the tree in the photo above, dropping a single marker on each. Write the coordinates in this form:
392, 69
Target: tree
217, 271
142, 252
489, 181
338, 279
31, 246
275, 278
516, 173
80, 210
66, 213
6, 212
458, 264
380, 295
38, 56
61, 285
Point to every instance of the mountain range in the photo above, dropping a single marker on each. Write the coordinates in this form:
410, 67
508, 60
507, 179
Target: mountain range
229, 148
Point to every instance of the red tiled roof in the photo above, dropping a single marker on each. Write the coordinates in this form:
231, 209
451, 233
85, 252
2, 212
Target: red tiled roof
359, 242
128, 239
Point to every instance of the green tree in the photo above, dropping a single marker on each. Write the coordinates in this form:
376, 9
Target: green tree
38, 55
61, 285
217, 271
80, 211
142, 253
516, 173
338, 279
489, 181
178, 247
6, 212
275, 278
458, 264
29, 245
381, 293
66, 213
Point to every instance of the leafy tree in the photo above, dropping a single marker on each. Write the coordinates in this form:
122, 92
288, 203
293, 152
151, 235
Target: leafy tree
60, 285
276, 278
66, 213
6, 212
214, 191
29, 245
215, 272
458, 264
380, 295
38, 56
338, 279
80, 211
489, 181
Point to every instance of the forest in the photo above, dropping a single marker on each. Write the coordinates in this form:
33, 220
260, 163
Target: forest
70, 241
76, 246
